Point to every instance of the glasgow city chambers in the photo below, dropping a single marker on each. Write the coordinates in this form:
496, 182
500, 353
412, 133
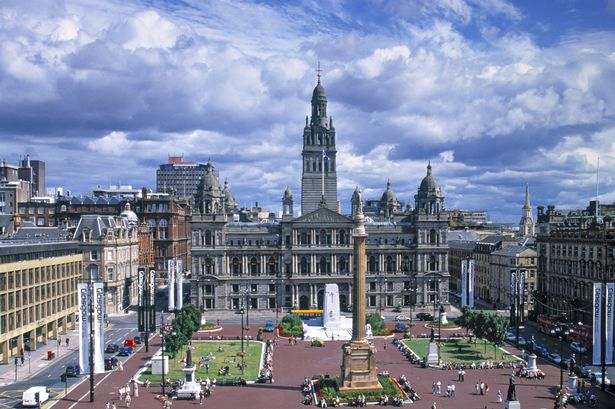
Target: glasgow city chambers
246, 259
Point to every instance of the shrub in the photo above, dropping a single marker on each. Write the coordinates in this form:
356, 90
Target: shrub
291, 325
377, 323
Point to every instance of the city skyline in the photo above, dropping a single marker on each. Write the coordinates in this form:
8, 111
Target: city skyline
495, 94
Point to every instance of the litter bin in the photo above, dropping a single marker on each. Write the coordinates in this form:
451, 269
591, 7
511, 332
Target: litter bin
50, 355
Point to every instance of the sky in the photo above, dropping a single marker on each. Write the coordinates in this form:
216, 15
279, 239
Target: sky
495, 93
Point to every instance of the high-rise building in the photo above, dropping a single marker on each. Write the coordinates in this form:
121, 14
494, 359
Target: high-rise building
33, 171
180, 177
319, 177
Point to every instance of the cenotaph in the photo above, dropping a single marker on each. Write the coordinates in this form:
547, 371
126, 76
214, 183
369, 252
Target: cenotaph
331, 319
359, 356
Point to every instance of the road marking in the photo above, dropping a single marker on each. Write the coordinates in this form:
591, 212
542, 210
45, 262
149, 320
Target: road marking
88, 392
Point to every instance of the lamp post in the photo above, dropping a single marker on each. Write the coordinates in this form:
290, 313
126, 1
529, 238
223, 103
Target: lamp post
241, 311
411, 293
162, 351
91, 360
381, 279
562, 337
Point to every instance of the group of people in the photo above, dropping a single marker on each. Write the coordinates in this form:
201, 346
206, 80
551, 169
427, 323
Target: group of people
407, 352
306, 389
126, 393
266, 372
405, 385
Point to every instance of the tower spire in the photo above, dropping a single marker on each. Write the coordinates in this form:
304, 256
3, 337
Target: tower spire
318, 72
527, 197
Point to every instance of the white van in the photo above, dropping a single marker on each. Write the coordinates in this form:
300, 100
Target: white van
29, 396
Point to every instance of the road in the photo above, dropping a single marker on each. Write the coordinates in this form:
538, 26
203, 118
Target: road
48, 375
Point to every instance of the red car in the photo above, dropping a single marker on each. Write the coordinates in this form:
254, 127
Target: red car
130, 342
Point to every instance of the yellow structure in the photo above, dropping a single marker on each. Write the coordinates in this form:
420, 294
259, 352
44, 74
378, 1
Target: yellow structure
38, 293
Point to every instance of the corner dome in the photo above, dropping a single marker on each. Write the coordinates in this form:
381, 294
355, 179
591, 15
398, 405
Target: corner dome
429, 183
129, 215
388, 196
319, 93
228, 195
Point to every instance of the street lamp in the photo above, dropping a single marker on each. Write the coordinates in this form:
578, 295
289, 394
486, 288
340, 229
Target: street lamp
164, 331
411, 293
241, 311
562, 336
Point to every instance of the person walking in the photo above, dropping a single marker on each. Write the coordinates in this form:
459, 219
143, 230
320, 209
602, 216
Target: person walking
136, 390
201, 396
433, 406
127, 400
67, 341
463, 375
477, 387
113, 406
499, 396
107, 405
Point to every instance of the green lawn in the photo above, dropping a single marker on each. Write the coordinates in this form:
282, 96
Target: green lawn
459, 350
226, 358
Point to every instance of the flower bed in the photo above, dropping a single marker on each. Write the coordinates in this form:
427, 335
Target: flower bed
210, 326
327, 388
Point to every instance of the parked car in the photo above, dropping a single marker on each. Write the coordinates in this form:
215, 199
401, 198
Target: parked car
29, 396
138, 340
73, 371
400, 327
269, 326
510, 337
539, 347
124, 351
555, 358
522, 341
596, 378
424, 316
130, 342
402, 318
111, 362
578, 348
112, 348
544, 353
585, 372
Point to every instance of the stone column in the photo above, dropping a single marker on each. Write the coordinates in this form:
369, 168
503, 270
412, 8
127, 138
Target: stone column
358, 287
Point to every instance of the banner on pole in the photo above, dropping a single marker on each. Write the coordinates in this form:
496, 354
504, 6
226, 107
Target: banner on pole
152, 300
464, 283
84, 330
610, 292
513, 286
171, 288
142, 301
99, 328
597, 323
471, 283
179, 275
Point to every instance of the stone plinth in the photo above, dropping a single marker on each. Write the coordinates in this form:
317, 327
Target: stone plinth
157, 365
190, 389
531, 363
572, 383
359, 367
512, 405
432, 354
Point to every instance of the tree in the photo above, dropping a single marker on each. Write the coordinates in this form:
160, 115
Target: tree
495, 330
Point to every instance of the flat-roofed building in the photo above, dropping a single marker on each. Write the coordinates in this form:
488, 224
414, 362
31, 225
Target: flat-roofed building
39, 272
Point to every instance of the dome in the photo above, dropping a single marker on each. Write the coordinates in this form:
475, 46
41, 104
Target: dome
228, 195
129, 215
210, 180
287, 193
319, 93
388, 196
429, 183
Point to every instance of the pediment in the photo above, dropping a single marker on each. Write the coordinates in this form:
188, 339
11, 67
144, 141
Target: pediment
323, 216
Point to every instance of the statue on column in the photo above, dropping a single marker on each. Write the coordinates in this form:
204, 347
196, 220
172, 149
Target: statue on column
189, 357
512, 391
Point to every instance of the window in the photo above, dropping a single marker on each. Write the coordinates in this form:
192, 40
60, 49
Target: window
271, 288
389, 286
372, 300
236, 266
372, 286
254, 288
93, 255
235, 288
109, 255
163, 231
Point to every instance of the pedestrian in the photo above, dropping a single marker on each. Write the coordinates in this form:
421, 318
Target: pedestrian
463, 375
385, 346
453, 390
60, 342
136, 390
22, 359
120, 367
477, 387
290, 340
120, 394
486, 388
439, 387
459, 376
499, 396
128, 400
482, 388
67, 341
113, 406
201, 396
21, 352
433, 406
433, 388
206, 367
107, 405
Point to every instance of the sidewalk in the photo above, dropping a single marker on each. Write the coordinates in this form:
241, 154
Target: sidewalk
34, 361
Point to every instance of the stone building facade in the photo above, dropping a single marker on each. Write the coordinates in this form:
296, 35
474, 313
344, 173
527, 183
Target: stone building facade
270, 262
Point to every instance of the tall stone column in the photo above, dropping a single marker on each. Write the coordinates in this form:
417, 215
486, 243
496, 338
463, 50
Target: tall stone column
359, 370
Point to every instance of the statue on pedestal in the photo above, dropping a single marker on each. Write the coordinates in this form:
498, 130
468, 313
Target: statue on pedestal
512, 391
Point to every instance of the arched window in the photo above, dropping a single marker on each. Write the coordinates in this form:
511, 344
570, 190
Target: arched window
324, 268
209, 266
390, 264
341, 265
271, 266
304, 238
372, 265
342, 237
254, 266
405, 266
433, 263
207, 238
151, 224
323, 237
304, 266
236, 266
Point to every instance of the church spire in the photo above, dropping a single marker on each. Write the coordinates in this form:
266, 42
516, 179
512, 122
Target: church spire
526, 224
527, 197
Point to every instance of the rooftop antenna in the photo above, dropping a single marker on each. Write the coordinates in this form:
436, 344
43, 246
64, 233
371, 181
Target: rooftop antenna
318, 72
597, 179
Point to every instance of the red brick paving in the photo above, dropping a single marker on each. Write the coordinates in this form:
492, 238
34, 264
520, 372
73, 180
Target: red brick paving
294, 362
